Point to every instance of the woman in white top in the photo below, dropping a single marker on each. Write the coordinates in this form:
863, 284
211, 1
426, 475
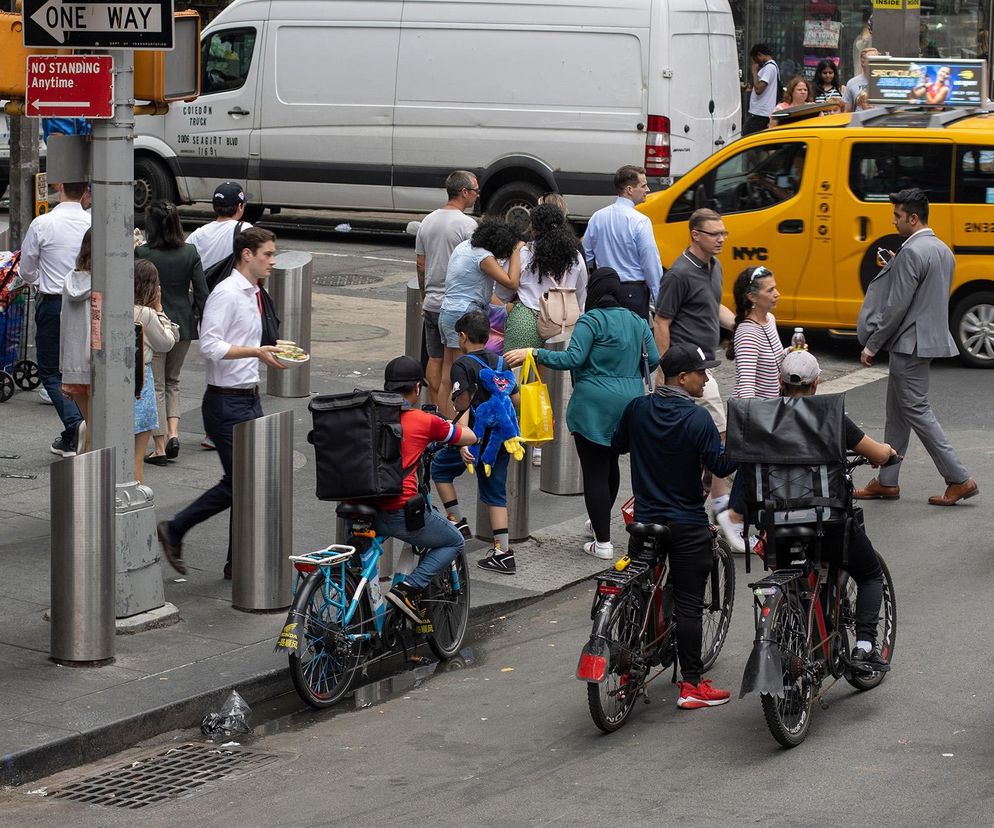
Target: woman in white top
551, 259
758, 352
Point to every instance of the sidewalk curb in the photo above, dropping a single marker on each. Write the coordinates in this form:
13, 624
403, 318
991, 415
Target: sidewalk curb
34, 763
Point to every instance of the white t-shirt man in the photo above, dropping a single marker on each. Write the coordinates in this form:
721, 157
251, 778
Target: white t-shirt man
763, 103
438, 236
214, 241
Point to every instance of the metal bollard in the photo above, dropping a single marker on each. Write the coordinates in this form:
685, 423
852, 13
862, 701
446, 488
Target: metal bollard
262, 513
414, 323
83, 558
561, 474
290, 286
518, 503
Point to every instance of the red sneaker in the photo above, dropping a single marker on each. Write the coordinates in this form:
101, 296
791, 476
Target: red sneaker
703, 695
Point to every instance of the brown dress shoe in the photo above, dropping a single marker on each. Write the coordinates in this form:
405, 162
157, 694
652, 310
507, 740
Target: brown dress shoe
172, 552
875, 490
955, 492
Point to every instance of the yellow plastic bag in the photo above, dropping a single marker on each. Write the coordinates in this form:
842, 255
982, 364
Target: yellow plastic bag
535, 417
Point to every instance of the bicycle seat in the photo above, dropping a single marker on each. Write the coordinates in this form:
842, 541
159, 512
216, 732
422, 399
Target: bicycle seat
355, 511
654, 531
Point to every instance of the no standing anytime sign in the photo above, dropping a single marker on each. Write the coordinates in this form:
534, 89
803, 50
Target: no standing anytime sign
64, 86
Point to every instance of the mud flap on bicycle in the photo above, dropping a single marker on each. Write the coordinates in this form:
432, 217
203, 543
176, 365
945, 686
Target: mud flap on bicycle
764, 670
289, 640
595, 660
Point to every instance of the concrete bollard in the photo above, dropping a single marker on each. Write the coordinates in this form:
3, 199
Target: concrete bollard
561, 474
262, 513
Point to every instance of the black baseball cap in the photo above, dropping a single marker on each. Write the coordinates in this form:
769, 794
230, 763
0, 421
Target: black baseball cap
679, 359
401, 372
230, 192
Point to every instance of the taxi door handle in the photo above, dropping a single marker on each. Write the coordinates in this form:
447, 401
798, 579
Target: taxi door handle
791, 226
864, 226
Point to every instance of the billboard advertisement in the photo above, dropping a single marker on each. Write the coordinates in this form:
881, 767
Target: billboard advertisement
926, 81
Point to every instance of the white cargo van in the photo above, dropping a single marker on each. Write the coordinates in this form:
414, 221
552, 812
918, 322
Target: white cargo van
369, 104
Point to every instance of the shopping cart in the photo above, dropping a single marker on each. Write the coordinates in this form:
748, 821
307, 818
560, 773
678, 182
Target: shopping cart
15, 299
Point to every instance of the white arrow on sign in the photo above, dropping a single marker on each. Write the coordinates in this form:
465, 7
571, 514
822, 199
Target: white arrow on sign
58, 17
72, 104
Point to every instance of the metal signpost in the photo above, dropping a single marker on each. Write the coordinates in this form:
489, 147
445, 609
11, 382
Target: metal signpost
61, 86
98, 24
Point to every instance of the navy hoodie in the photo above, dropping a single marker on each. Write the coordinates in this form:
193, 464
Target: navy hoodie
671, 440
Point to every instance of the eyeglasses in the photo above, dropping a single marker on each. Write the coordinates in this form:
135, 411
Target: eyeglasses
473, 189
715, 234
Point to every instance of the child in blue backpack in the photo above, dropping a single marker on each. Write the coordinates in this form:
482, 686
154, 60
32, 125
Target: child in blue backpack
468, 393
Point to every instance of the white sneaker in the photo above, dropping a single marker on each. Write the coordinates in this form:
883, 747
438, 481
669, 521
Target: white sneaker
588, 527
537, 456
43, 397
732, 532
603, 551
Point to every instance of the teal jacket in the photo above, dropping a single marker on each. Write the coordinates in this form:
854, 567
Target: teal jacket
604, 357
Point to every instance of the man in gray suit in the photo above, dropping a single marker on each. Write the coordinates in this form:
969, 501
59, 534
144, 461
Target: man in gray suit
906, 312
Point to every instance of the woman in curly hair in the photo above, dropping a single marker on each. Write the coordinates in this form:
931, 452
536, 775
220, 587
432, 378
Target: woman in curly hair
551, 259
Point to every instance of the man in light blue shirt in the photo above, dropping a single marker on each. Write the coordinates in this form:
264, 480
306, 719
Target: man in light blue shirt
621, 238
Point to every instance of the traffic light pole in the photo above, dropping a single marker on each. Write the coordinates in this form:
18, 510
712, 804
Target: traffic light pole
139, 577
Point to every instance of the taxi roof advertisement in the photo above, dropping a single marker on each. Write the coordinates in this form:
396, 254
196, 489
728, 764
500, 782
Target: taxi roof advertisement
926, 82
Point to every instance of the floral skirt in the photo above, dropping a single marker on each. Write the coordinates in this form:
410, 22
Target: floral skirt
521, 329
145, 417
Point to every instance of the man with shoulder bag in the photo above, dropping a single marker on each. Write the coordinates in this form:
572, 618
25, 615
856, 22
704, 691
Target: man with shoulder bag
408, 517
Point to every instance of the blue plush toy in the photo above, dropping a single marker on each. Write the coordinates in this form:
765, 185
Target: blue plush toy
496, 417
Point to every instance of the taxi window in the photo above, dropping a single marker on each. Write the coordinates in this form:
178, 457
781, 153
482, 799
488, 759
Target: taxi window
876, 170
975, 175
754, 179
226, 57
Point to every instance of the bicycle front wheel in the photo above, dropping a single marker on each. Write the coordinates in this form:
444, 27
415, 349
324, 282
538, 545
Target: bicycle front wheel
612, 700
789, 716
324, 668
719, 596
886, 627
446, 601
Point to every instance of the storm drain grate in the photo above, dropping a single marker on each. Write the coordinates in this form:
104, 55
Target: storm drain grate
346, 279
164, 776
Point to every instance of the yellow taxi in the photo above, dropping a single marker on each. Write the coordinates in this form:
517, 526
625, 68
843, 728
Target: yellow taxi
809, 200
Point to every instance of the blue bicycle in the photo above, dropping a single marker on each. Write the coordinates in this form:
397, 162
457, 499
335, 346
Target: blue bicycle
339, 622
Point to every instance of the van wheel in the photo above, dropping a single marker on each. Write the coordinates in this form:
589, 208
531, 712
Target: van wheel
152, 183
514, 202
972, 326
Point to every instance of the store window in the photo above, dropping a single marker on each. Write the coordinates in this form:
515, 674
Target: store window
226, 57
753, 179
974, 175
876, 170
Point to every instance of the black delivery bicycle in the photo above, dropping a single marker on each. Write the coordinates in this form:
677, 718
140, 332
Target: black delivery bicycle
633, 640
805, 627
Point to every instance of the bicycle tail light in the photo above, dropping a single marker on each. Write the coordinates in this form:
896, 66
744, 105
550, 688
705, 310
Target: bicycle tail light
594, 660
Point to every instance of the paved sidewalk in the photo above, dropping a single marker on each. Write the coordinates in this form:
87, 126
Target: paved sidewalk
55, 717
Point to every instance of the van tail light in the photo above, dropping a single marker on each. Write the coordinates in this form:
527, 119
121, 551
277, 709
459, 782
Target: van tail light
657, 146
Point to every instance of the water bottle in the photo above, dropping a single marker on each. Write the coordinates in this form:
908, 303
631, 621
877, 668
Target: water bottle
797, 341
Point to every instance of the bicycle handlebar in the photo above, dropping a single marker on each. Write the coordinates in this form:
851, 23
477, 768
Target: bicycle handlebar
854, 460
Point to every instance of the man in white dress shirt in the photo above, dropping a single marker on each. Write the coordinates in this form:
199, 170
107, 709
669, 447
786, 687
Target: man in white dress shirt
48, 255
230, 336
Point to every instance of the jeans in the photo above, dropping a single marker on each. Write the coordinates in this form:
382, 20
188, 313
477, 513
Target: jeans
691, 559
439, 536
47, 328
221, 414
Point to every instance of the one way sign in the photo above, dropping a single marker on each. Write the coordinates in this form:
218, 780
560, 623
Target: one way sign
99, 24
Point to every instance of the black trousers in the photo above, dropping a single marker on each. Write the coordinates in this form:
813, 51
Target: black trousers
755, 123
691, 558
635, 297
221, 414
601, 481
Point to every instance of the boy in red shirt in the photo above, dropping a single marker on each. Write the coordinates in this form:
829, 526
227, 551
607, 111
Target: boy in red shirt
438, 535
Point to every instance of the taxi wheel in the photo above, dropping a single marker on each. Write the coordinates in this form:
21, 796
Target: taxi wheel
972, 326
